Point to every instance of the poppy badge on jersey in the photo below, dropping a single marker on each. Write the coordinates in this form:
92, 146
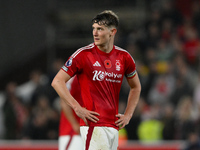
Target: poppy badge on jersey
107, 64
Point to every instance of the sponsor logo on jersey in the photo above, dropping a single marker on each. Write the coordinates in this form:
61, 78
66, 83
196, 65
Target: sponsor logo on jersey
108, 76
118, 65
69, 62
107, 64
97, 64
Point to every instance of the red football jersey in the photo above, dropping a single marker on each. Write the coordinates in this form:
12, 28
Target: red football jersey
100, 77
65, 127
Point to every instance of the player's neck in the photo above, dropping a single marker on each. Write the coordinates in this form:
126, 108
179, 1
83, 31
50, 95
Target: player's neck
106, 48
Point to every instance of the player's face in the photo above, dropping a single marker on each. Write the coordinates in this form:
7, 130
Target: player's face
101, 34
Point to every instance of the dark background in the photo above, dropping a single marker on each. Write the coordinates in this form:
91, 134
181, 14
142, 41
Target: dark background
33, 33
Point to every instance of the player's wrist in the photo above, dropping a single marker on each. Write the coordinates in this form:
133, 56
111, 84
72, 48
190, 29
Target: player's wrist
76, 107
128, 115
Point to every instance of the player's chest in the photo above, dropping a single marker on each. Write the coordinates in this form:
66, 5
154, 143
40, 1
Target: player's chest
105, 68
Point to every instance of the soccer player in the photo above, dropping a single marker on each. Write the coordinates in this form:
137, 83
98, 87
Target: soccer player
100, 68
69, 129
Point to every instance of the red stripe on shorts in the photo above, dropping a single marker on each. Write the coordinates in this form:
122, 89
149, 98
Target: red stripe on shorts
71, 136
89, 136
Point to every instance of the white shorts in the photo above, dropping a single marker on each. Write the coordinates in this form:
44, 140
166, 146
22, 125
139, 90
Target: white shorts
68, 142
99, 138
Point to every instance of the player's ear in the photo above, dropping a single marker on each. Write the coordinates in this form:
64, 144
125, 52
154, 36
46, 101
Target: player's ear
113, 31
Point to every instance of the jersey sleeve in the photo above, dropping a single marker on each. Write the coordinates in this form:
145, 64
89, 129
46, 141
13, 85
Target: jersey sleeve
73, 65
130, 68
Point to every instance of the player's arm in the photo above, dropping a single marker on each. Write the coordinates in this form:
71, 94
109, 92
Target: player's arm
59, 84
133, 97
70, 116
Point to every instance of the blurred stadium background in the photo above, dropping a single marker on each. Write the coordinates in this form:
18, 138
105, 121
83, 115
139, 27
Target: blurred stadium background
163, 36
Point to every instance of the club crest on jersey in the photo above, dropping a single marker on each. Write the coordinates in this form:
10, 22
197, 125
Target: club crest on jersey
69, 62
118, 65
107, 64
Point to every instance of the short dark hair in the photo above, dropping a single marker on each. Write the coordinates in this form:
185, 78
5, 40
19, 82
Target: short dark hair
107, 18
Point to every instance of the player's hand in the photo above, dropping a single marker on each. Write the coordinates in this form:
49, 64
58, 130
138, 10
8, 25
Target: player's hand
85, 114
122, 121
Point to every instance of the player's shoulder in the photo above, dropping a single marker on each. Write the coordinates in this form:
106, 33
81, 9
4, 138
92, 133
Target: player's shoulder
83, 50
124, 53
121, 50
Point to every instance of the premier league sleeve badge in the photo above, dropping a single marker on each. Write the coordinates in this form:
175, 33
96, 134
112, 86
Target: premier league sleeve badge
69, 62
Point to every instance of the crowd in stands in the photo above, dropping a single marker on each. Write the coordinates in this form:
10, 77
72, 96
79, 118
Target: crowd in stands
167, 54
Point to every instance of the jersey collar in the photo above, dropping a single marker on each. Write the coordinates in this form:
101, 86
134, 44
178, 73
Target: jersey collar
104, 53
